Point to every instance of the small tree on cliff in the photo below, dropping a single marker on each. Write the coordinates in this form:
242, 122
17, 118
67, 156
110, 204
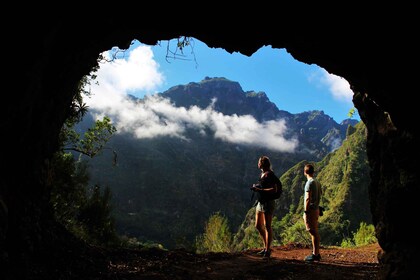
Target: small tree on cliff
83, 210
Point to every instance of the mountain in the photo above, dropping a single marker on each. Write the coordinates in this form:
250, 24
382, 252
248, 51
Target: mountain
231, 99
344, 176
165, 189
316, 132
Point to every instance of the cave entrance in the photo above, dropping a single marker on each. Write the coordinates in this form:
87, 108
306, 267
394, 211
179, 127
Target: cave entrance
160, 144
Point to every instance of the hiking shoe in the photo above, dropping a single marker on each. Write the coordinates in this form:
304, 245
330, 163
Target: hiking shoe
267, 254
312, 258
261, 253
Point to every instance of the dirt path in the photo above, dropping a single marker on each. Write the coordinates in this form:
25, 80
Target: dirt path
286, 262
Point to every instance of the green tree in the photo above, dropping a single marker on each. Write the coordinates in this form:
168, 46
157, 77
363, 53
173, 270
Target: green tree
365, 235
85, 211
95, 215
216, 237
292, 229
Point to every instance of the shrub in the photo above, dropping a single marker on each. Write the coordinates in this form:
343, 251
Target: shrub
365, 235
216, 237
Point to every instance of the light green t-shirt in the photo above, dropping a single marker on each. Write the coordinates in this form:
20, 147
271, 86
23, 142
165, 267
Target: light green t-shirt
314, 187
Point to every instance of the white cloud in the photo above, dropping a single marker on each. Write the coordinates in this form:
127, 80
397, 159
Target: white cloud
138, 72
338, 86
246, 130
154, 116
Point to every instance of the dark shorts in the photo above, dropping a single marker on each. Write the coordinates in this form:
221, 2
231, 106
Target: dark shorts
266, 207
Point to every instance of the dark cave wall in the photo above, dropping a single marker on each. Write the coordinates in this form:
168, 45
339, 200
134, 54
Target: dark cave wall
65, 53
393, 190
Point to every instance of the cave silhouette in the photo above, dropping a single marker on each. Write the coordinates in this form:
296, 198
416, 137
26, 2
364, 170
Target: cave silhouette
372, 59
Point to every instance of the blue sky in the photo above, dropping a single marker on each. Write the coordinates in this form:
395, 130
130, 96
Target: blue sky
144, 70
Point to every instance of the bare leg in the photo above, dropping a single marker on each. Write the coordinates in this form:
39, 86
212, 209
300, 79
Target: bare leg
315, 242
316, 238
260, 226
269, 231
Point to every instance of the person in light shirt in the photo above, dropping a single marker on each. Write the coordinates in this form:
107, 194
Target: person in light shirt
311, 200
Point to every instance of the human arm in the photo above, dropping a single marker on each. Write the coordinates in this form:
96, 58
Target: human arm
307, 202
307, 198
256, 187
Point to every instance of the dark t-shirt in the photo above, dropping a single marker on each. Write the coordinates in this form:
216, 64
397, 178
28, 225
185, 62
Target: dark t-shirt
267, 182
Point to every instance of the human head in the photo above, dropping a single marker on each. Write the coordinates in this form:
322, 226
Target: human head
309, 169
264, 163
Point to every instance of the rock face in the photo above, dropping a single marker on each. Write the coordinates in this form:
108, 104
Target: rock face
64, 52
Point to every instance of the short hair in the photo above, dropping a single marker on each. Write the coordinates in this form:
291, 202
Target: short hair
309, 169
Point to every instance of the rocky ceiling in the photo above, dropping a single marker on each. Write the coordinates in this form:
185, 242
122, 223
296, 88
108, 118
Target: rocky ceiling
53, 55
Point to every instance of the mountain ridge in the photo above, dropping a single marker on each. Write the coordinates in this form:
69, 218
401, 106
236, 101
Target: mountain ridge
231, 99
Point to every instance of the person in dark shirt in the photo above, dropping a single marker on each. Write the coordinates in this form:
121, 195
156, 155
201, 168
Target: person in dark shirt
268, 182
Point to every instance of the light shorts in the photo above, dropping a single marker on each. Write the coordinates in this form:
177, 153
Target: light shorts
311, 220
266, 207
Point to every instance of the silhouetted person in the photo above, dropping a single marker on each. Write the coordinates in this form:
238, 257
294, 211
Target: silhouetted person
311, 200
268, 182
